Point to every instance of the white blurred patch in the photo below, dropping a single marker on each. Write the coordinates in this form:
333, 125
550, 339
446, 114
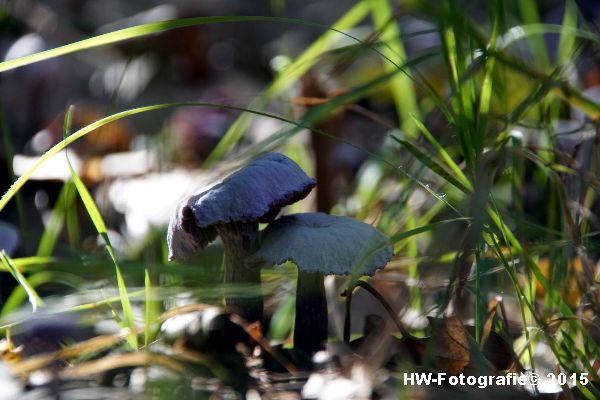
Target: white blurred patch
126, 78
127, 163
512, 35
263, 127
25, 45
331, 386
55, 168
11, 387
41, 141
517, 134
150, 201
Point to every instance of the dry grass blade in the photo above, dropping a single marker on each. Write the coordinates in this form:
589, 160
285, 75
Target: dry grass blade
188, 308
92, 345
140, 358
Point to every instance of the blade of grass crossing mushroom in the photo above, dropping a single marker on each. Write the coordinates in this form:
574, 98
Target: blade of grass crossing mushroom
98, 221
34, 299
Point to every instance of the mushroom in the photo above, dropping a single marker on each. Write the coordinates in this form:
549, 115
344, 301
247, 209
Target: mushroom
232, 210
321, 244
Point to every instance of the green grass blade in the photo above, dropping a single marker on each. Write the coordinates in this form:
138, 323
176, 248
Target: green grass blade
26, 263
395, 239
530, 15
315, 115
424, 228
444, 154
401, 86
151, 312
18, 184
98, 221
461, 101
485, 99
163, 26
148, 312
528, 31
32, 295
434, 165
19, 294
56, 221
566, 42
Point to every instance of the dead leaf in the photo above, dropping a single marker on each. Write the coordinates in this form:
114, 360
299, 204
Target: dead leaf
449, 339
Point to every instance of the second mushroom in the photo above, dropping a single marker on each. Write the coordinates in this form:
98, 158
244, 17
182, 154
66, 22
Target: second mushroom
321, 244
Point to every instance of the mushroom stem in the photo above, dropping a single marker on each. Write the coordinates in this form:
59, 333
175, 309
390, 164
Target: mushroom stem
310, 329
240, 240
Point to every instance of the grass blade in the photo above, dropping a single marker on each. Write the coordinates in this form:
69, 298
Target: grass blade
444, 154
19, 294
152, 310
56, 221
152, 28
401, 86
34, 299
98, 221
530, 15
566, 42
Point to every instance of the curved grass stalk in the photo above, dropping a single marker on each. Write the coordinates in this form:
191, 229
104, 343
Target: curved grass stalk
163, 26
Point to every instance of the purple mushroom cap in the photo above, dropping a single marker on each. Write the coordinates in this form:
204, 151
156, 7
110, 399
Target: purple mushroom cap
255, 193
325, 244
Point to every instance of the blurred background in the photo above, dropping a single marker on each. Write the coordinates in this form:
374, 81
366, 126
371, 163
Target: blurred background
509, 90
